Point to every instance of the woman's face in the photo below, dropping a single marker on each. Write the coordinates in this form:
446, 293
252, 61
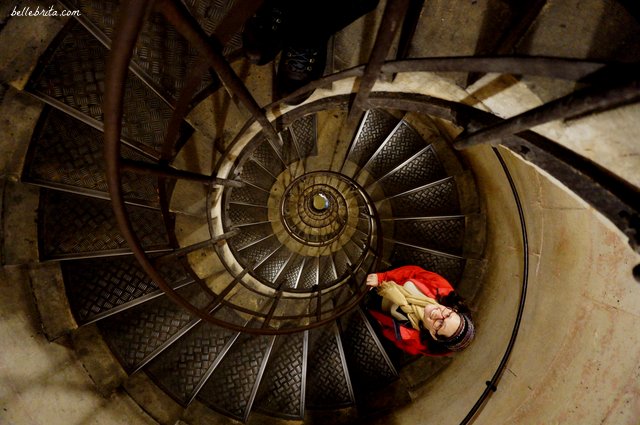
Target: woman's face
441, 321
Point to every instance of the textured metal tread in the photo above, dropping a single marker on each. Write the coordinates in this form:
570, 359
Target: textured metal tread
232, 387
98, 287
67, 154
419, 170
272, 267
402, 143
327, 270
328, 380
310, 273
264, 154
253, 173
375, 127
366, 357
292, 273
437, 199
209, 13
444, 234
241, 214
73, 226
70, 76
139, 334
450, 267
342, 263
184, 367
249, 195
281, 392
260, 252
250, 234
304, 134
161, 57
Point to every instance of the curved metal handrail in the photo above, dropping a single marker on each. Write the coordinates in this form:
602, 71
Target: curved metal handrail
492, 385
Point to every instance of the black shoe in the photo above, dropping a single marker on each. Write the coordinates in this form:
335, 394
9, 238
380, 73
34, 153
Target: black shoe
298, 67
263, 34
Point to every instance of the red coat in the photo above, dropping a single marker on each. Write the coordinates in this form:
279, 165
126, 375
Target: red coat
432, 285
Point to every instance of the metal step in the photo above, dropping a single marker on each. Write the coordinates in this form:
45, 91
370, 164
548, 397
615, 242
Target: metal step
368, 362
268, 156
310, 273
328, 379
401, 144
98, 288
270, 269
304, 134
292, 273
353, 251
68, 154
161, 57
449, 266
249, 235
445, 234
342, 263
70, 76
328, 273
138, 335
259, 253
252, 172
232, 387
282, 390
248, 195
73, 226
374, 129
240, 214
435, 199
183, 369
418, 170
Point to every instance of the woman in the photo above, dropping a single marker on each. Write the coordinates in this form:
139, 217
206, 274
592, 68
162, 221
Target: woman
420, 312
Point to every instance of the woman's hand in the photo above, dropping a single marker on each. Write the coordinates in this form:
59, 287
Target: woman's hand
372, 280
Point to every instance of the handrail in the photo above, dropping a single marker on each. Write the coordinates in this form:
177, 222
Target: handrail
492, 385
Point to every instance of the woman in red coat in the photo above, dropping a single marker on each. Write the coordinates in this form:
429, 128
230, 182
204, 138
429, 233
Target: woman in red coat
420, 312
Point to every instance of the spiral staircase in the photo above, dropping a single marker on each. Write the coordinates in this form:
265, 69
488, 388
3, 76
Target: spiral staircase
254, 302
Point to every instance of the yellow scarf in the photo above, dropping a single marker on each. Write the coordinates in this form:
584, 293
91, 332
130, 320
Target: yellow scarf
411, 304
